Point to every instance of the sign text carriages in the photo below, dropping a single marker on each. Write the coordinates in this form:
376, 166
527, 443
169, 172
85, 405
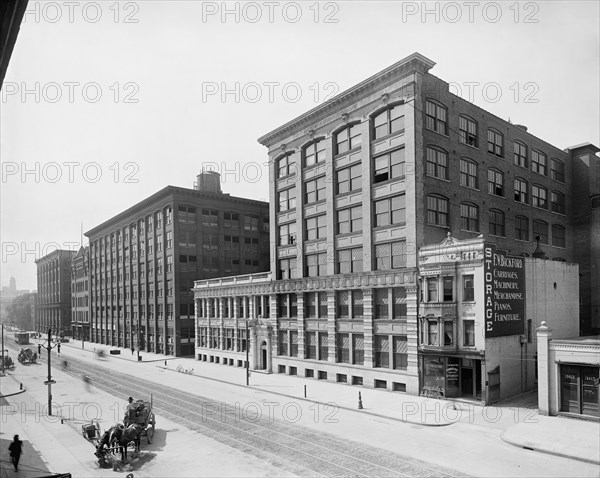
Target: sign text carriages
504, 278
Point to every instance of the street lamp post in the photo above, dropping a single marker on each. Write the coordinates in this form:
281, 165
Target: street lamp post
49, 382
251, 322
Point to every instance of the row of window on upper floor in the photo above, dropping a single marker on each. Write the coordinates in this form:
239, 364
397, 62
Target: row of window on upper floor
438, 215
186, 214
437, 167
468, 133
386, 167
384, 123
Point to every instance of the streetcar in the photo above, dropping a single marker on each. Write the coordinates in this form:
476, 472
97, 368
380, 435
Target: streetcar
22, 338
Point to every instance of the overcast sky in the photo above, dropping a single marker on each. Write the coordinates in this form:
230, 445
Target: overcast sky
105, 103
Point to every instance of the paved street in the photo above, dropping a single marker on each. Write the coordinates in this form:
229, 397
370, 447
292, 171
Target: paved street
207, 427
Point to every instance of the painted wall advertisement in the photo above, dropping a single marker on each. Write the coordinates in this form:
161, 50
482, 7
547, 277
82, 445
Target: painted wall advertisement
504, 278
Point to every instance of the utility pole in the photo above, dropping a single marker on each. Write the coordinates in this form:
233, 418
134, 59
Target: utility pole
2, 350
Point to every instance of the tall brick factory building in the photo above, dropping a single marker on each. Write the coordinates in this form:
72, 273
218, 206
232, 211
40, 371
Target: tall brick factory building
144, 262
53, 307
358, 185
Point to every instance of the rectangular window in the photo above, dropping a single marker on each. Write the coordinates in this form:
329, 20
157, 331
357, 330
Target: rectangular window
558, 236
448, 287
390, 211
381, 304
314, 190
390, 256
469, 216
399, 307
358, 349
437, 211
287, 199
557, 200
381, 351
311, 345
349, 260
495, 182
448, 332
287, 268
432, 289
343, 348
436, 117
357, 303
293, 344
310, 304
389, 166
539, 162
400, 356
287, 234
349, 179
316, 265
468, 288
432, 332
349, 220
316, 227
388, 122
468, 174
469, 333
467, 131
539, 197
557, 170
283, 342
343, 304
250, 223
437, 163
323, 346
495, 143
210, 217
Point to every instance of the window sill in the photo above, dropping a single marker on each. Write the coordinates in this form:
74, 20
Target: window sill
438, 178
346, 153
438, 225
437, 132
496, 196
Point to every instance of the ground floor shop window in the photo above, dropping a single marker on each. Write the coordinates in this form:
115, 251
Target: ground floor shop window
579, 390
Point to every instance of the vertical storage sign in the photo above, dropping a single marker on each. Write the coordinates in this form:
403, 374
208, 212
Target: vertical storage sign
504, 278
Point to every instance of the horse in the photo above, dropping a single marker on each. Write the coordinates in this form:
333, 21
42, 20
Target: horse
109, 439
130, 434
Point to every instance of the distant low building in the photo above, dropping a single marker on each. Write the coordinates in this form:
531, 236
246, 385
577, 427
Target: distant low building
7, 296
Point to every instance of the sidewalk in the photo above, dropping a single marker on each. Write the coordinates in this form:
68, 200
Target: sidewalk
517, 418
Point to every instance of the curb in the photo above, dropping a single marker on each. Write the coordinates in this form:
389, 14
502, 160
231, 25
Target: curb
13, 394
548, 452
316, 401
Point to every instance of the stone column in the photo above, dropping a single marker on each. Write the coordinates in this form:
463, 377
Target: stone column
331, 339
544, 334
301, 327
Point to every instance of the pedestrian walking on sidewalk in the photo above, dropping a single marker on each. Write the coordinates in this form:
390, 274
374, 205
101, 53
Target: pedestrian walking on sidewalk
15, 448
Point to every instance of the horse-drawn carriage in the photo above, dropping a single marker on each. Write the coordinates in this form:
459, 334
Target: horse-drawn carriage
6, 362
139, 421
27, 355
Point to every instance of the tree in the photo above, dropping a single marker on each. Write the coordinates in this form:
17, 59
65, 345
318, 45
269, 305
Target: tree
20, 311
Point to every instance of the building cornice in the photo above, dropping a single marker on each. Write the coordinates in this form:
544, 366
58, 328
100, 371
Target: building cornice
415, 62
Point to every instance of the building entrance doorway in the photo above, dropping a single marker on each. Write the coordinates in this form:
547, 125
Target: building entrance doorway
263, 355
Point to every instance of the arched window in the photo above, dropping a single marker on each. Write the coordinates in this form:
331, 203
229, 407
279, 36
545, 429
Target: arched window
437, 210
314, 152
436, 117
522, 228
559, 236
467, 131
469, 174
469, 217
520, 154
285, 165
557, 170
521, 191
539, 162
388, 121
540, 229
495, 143
495, 182
497, 223
347, 138
437, 162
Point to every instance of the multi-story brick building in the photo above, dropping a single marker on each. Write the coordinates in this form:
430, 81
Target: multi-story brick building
144, 262
53, 307
358, 184
80, 294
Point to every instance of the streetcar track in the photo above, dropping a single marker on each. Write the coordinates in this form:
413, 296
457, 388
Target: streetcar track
251, 429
